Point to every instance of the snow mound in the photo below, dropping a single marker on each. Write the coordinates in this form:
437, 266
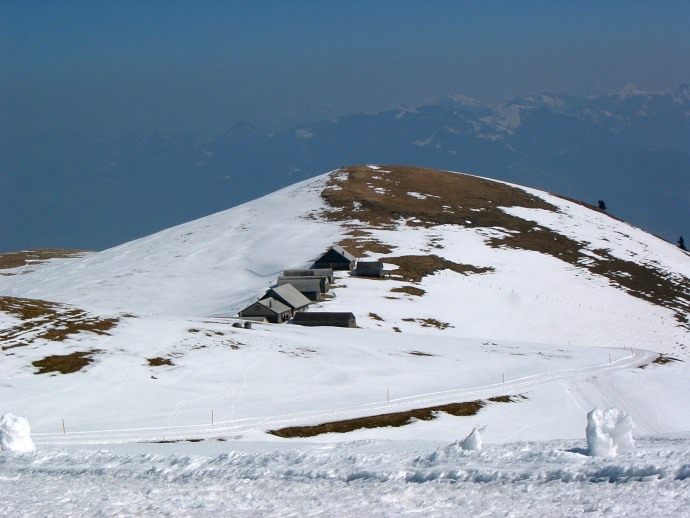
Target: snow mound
609, 432
15, 434
473, 441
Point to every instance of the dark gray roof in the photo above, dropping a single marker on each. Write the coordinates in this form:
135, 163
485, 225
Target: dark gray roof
309, 272
269, 303
290, 295
302, 283
322, 317
274, 305
347, 255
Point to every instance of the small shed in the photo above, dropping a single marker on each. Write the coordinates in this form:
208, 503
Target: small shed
324, 284
331, 319
310, 272
310, 287
271, 309
290, 296
368, 269
337, 258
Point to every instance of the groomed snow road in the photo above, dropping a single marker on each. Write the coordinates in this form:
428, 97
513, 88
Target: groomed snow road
587, 385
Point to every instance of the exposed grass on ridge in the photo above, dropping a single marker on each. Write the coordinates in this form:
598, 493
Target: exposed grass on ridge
38, 255
363, 198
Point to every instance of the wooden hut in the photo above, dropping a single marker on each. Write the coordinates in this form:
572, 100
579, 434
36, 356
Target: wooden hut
290, 296
310, 272
337, 258
368, 269
271, 309
310, 287
317, 319
324, 284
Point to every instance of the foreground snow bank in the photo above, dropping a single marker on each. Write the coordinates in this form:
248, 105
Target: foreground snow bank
363, 478
15, 434
609, 432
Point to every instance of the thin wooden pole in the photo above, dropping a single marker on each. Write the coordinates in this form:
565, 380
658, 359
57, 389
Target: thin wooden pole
63, 426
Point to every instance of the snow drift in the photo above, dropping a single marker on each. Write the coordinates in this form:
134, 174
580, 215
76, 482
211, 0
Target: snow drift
473, 441
609, 432
15, 434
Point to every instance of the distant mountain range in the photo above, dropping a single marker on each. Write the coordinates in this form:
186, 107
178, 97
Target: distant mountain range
629, 149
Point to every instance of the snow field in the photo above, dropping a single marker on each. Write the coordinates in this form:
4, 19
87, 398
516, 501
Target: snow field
313, 375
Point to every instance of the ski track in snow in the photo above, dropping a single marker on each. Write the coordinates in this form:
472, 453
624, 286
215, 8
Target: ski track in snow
584, 383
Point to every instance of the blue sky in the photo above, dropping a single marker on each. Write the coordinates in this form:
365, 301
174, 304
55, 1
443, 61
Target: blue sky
201, 66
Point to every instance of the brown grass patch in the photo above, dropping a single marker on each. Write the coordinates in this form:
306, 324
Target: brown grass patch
380, 421
414, 268
48, 321
360, 243
374, 316
410, 290
507, 399
39, 255
159, 361
429, 322
64, 363
419, 353
384, 420
663, 360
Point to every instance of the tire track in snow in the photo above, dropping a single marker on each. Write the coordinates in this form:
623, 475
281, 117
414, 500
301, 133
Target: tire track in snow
596, 391
224, 429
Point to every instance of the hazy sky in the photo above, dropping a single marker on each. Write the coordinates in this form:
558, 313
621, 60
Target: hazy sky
201, 66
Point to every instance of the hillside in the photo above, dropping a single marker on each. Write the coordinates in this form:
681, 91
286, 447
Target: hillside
509, 261
501, 306
480, 274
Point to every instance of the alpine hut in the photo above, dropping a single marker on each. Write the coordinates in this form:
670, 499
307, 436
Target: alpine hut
271, 309
310, 272
324, 284
332, 319
290, 296
368, 269
337, 258
310, 287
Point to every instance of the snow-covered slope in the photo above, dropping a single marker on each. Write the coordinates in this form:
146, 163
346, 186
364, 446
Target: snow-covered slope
207, 266
504, 306
216, 265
